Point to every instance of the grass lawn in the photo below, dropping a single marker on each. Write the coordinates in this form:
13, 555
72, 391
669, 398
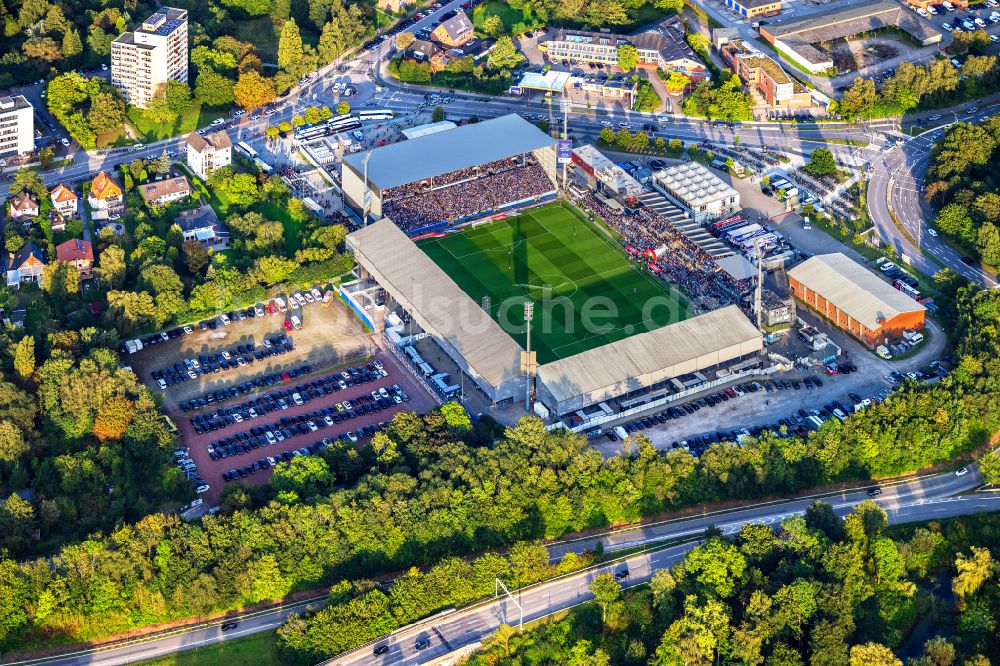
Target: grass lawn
188, 122
278, 214
254, 650
569, 268
116, 138
508, 15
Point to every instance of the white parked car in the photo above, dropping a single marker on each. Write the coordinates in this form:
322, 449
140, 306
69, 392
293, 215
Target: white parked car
218, 121
962, 471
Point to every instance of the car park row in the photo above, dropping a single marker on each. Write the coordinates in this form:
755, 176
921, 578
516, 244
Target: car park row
273, 307
215, 362
284, 398
184, 462
287, 427
249, 386
797, 424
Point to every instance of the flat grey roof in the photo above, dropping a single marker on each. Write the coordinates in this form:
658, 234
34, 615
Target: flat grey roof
853, 289
420, 285
854, 19
647, 358
436, 154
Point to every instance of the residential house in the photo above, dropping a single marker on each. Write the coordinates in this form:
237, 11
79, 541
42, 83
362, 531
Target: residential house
25, 265
23, 206
106, 198
208, 153
661, 47
56, 221
455, 31
162, 192
201, 225
79, 254
64, 201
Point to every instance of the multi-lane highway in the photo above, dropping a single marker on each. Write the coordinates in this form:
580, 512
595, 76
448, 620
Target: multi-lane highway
937, 496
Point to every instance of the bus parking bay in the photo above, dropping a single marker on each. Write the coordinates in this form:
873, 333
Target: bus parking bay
212, 470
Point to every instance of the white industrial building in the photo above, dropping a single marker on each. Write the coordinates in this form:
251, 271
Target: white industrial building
703, 195
146, 59
17, 126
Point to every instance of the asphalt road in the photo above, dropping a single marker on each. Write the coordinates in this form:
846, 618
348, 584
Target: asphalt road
897, 179
447, 633
916, 500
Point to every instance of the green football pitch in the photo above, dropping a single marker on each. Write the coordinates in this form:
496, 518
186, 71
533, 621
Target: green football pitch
585, 290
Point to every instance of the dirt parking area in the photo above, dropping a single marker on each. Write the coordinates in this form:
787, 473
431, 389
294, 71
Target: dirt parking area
212, 470
854, 54
329, 336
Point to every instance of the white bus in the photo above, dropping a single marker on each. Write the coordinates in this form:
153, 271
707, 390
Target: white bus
375, 114
264, 167
245, 148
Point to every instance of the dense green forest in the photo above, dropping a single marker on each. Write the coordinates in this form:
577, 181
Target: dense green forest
821, 591
437, 486
962, 185
916, 87
228, 37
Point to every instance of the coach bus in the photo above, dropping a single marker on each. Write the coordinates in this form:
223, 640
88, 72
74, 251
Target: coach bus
375, 114
245, 148
264, 167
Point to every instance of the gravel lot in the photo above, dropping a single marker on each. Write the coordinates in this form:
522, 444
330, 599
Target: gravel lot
329, 336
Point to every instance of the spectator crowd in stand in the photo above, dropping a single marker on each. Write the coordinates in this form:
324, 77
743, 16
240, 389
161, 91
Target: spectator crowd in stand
466, 192
683, 263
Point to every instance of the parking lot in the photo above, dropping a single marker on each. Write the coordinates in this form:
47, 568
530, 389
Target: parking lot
287, 420
329, 336
258, 362
761, 408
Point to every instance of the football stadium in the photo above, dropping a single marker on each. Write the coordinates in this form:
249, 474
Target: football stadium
455, 176
554, 256
449, 258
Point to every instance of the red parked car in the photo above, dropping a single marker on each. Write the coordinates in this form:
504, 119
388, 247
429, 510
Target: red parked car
288, 325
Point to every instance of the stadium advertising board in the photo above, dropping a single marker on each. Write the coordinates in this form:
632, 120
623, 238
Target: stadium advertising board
565, 151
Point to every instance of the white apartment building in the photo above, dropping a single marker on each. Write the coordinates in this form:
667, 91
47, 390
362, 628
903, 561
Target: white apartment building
207, 153
146, 59
17, 126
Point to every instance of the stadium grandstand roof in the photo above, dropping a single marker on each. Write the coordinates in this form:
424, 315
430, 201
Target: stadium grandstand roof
421, 286
436, 154
428, 129
641, 360
737, 266
853, 289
